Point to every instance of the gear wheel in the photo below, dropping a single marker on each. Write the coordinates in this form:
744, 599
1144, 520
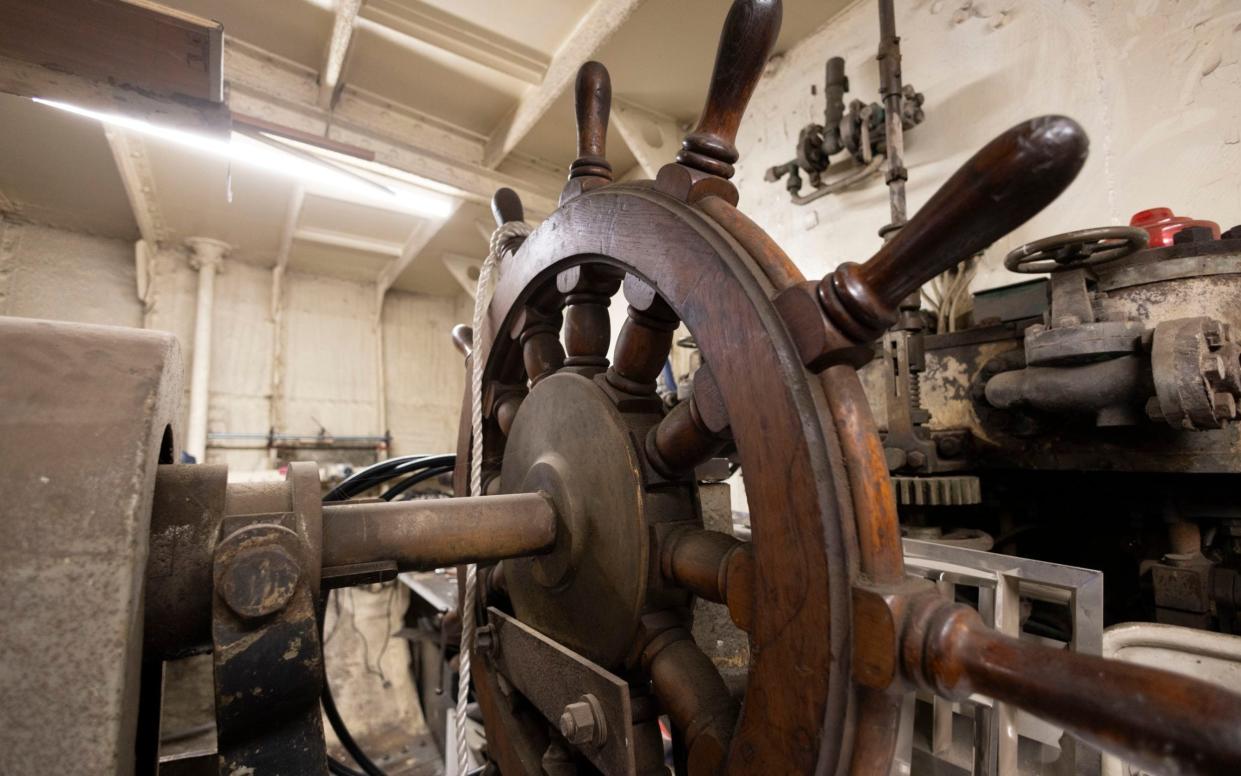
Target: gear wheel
953, 491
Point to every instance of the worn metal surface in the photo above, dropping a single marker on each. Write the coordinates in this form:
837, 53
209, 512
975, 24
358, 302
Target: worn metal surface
553, 677
86, 410
421, 535
265, 633
587, 593
185, 525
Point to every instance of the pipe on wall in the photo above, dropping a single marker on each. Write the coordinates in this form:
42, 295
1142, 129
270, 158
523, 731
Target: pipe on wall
206, 256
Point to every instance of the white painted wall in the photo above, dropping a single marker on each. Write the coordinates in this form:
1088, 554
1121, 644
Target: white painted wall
330, 341
1155, 83
424, 393
52, 273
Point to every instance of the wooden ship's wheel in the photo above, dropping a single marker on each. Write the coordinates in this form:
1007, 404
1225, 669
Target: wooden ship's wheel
837, 632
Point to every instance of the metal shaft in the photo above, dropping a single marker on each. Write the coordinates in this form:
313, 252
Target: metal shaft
891, 88
424, 535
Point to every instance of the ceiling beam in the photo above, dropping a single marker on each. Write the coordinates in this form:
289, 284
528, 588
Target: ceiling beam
337, 49
134, 166
267, 87
418, 239
352, 242
291, 216
632, 123
424, 22
594, 29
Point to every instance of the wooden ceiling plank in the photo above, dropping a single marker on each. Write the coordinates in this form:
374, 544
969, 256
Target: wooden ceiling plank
447, 32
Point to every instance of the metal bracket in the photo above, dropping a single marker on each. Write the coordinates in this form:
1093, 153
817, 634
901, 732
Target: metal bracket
552, 677
1002, 581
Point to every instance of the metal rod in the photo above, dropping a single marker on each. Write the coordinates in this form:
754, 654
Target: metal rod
890, 86
430, 534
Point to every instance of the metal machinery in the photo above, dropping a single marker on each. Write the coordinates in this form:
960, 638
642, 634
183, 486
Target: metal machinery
590, 526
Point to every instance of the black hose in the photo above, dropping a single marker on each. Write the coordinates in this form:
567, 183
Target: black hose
410, 482
369, 768
380, 473
426, 466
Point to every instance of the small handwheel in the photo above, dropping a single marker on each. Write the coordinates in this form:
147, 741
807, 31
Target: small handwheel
1084, 248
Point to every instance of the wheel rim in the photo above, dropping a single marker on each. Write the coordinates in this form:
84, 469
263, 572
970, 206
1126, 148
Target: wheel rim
798, 695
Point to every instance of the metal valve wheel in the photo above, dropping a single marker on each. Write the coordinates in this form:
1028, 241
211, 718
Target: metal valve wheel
1084, 248
582, 648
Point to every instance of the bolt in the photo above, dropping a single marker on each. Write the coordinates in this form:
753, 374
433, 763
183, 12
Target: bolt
948, 446
259, 580
1224, 406
895, 458
582, 722
1212, 367
485, 639
916, 459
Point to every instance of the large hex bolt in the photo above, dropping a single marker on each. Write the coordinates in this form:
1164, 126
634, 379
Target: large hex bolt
255, 573
582, 722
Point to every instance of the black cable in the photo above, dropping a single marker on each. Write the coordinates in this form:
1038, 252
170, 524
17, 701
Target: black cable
426, 466
369, 768
381, 472
410, 482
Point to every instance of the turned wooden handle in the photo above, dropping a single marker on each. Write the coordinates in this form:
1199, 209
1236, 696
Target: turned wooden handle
745, 44
1000, 188
506, 206
1160, 721
593, 102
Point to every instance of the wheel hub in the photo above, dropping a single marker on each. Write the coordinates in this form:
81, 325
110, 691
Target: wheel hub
570, 441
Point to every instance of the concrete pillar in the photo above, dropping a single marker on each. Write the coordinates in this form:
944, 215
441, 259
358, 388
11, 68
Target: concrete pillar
206, 256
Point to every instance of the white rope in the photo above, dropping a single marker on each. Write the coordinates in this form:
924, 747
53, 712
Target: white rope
482, 339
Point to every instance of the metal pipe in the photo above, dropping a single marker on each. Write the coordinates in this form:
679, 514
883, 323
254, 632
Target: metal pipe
890, 87
206, 257
431, 534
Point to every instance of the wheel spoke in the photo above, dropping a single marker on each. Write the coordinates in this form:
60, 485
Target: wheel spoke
645, 340
588, 291
691, 691
539, 335
693, 432
715, 566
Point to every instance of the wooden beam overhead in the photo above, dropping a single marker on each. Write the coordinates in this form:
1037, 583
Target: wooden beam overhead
447, 32
337, 51
351, 242
594, 29
637, 126
140, 46
419, 238
269, 88
129, 152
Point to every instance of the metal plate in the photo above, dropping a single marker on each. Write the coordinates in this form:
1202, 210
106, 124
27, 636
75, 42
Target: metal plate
551, 677
570, 441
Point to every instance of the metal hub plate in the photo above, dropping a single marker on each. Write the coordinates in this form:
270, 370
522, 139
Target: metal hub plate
570, 441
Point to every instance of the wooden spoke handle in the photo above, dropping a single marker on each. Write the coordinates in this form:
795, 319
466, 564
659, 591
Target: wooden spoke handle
593, 102
745, 44
1162, 722
506, 206
1001, 187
